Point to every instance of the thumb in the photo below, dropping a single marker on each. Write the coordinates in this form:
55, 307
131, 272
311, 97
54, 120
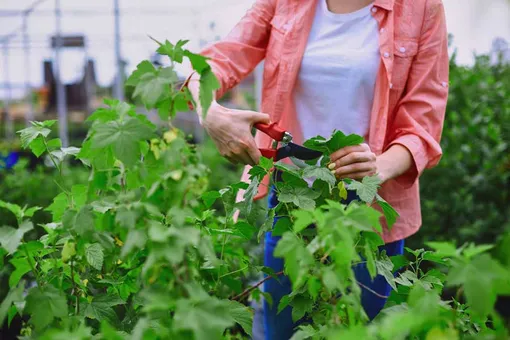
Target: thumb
258, 117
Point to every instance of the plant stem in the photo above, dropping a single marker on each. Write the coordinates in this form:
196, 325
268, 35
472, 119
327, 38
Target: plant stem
75, 291
248, 290
235, 271
36, 273
371, 291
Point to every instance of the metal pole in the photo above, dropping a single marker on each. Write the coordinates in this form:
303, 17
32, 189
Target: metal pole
28, 88
119, 87
9, 127
61, 93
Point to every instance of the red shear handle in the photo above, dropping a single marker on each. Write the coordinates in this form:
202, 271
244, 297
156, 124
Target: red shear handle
272, 130
268, 153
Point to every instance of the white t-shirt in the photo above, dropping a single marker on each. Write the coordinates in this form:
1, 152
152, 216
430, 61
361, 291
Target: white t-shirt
335, 85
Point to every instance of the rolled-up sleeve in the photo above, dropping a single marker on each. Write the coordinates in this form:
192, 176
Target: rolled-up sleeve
235, 56
420, 113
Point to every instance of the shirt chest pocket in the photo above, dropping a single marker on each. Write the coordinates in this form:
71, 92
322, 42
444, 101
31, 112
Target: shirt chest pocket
404, 52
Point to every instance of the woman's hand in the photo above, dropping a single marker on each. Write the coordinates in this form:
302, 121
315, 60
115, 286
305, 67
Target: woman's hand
231, 132
353, 162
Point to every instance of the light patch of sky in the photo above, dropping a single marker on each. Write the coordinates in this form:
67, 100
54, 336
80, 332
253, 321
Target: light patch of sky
474, 24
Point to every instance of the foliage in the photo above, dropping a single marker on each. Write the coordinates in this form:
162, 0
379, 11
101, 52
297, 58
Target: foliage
466, 196
139, 252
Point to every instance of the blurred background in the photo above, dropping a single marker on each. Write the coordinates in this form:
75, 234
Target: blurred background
59, 58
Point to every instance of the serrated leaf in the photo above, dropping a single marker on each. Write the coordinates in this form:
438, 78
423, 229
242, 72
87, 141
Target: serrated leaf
208, 86
95, 256
385, 268
323, 174
342, 191
302, 197
302, 219
142, 68
59, 206
10, 238
29, 134
207, 320
367, 188
22, 267
14, 208
14, 295
151, 87
242, 315
123, 136
390, 214
135, 239
44, 304
267, 225
198, 62
210, 197
244, 229
249, 194
84, 220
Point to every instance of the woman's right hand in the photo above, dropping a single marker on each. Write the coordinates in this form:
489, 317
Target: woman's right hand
231, 132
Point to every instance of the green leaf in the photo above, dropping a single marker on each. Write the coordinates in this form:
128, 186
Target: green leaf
282, 225
145, 67
443, 248
367, 188
59, 206
249, 194
54, 143
152, 87
265, 163
245, 230
14, 208
63, 152
68, 251
302, 219
198, 62
242, 315
44, 304
342, 191
125, 218
103, 115
306, 332
480, 278
37, 146
284, 302
94, 255
14, 295
267, 225
369, 255
208, 86
10, 238
22, 267
124, 137
29, 134
109, 333
207, 320
135, 239
175, 53
385, 268
84, 220
101, 308
302, 197
320, 173
363, 218
210, 197
390, 214
337, 141
300, 306
31, 211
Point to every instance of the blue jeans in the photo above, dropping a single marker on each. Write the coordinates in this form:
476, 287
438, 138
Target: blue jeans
280, 326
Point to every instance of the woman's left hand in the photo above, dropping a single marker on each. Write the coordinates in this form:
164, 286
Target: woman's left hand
354, 162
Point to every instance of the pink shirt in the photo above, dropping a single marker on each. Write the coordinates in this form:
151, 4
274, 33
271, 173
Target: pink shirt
410, 93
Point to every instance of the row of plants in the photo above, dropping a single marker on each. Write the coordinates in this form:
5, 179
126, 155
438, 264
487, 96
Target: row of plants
144, 250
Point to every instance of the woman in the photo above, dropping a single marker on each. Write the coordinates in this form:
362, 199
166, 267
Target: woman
374, 68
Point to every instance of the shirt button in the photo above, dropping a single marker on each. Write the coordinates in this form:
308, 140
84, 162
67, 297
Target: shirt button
382, 30
374, 9
386, 54
444, 84
391, 85
402, 49
286, 26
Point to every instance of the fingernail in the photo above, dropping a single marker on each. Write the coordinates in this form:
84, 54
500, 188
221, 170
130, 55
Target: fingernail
333, 172
331, 166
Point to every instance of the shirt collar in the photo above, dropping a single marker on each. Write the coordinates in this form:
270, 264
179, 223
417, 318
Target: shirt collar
386, 4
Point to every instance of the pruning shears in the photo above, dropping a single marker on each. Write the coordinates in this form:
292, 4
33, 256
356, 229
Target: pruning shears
296, 153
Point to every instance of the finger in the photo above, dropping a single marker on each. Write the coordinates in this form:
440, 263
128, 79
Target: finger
353, 168
345, 151
358, 175
257, 117
353, 157
253, 152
